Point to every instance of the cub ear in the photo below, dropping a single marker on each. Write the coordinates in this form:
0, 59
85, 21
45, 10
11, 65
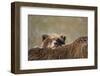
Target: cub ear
44, 37
63, 37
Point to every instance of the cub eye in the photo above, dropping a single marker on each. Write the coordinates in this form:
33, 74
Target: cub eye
58, 40
55, 43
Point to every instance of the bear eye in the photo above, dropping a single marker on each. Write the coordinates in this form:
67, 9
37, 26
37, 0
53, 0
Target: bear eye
58, 40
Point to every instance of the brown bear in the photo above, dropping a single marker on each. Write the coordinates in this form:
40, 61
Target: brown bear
77, 49
52, 40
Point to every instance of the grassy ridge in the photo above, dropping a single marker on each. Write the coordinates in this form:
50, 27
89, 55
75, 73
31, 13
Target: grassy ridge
77, 49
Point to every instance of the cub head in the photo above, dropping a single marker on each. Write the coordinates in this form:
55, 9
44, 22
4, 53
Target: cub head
53, 40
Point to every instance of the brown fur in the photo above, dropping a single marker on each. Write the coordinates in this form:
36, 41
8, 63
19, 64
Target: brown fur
77, 49
47, 40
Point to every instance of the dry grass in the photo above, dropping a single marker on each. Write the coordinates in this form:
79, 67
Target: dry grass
77, 49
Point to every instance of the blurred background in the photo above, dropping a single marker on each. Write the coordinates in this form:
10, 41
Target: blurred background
71, 27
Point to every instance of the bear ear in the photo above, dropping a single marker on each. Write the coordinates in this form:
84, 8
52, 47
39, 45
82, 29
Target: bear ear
63, 37
44, 37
